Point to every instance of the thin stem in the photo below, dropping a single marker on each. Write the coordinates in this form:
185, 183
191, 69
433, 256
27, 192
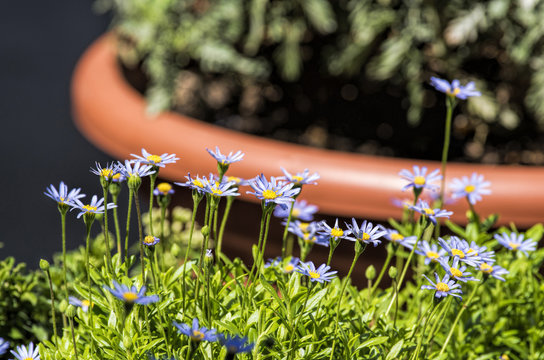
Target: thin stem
284, 239
127, 229
218, 248
140, 232
53, 317
152, 179
438, 321
117, 228
450, 104
73, 336
89, 288
106, 232
261, 231
193, 217
430, 311
63, 225
390, 253
297, 319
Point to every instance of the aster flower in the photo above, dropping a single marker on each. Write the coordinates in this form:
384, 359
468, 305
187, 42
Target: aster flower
455, 89
4, 346
334, 232
132, 295
430, 251
196, 333
516, 242
135, 169
105, 173
420, 180
235, 344
308, 232
223, 189
95, 207
395, 237
472, 188
320, 274
459, 248
443, 287
225, 159
486, 256
155, 160
301, 178
366, 233
423, 208
83, 304
236, 181
163, 189
151, 240
62, 196
493, 270
301, 210
273, 191
287, 268
26, 353
455, 271
196, 184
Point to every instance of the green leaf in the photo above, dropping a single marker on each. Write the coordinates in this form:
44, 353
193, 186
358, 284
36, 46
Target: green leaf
395, 350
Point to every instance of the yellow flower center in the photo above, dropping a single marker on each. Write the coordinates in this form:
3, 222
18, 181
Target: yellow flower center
197, 335
304, 226
432, 255
504, 357
458, 253
288, 268
216, 191
488, 269
85, 303
298, 178
314, 275
296, 212
472, 251
469, 188
337, 232
269, 194
309, 240
164, 188
456, 272
234, 178
365, 237
513, 246
130, 296
106, 173
419, 180
440, 286
116, 176
154, 159
198, 183
149, 239
396, 237
28, 358
429, 211
89, 208
454, 92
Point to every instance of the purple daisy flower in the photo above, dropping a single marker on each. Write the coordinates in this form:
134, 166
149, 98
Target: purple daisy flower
132, 295
235, 344
459, 248
4, 346
134, 169
419, 179
395, 237
195, 332
155, 160
366, 233
273, 191
62, 195
301, 210
516, 242
226, 159
301, 178
163, 189
423, 208
26, 353
455, 89
443, 287
95, 207
493, 270
472, 188
334, 232
321, 274
430, 251
455, 271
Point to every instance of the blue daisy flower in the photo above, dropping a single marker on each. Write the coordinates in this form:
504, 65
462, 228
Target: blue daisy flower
321, 274
366, 233
493, 270
150, 240
286, 266
472, 188
486, 256
26, 353
419, 179
397, 238
301, 178
83, 304
196, 333
455, 271
236, 344
443, 287
132, 295
197, 184
226, 159
455, 89
135, 169
334, 232
516, 242
423, 208
107, 173
163, 189
430, 251
4, 346
62, 195
155, 160
301, 210
237, 181
308, 232
460, 248
273, 191
220, 190
94, 207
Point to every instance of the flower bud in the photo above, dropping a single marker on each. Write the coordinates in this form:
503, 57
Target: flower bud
205, 231
393, 272
63, 305
370, 272
44, 265
71, 311
134, 182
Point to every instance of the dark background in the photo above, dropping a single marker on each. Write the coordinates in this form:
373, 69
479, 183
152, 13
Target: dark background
40, 43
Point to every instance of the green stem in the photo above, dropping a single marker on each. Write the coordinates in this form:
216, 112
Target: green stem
437, 322
450, 104
295, 325
140, 232
284, 239
391, 250
53, 316
261, 232
152, 177
430, 313
73, 336
265, 237
106, 232
127, 229
218, 248
117, 228
193, 217
89, 288
63, 224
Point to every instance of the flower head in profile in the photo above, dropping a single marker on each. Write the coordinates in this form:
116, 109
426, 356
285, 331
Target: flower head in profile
455, 90
235, 344
131, 295
236, 181
366, 233
516, 242
221, 189
308, 232
151, 240
62, 195
493, 270
430, 251
163, 189
195, 332
460, 248
155, 160
4, 346
397, 238
107, 173
443, 287
286, 266
472, 188
334, 232
83, 304
197, 184
26, 352
225, 159
273, 191
455, 271
301, 178
321, 274
423, 208
131, 169
419, 179
301, 210
96, 206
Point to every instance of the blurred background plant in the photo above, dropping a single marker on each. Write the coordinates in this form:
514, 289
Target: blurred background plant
293, 69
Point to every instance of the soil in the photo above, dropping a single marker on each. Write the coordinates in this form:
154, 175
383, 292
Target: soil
348, 115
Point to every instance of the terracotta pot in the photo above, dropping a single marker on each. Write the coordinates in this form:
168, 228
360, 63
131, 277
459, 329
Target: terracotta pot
112, 115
